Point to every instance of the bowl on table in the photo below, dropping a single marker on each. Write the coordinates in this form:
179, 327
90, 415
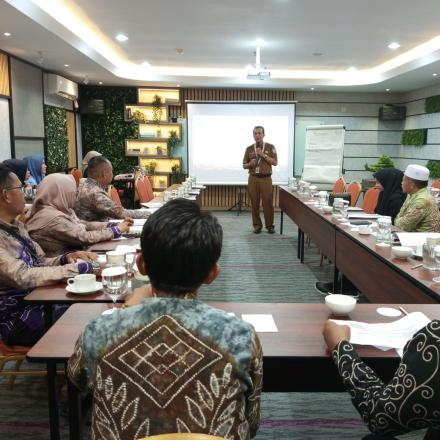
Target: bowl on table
327, 209
340, 304
401, 251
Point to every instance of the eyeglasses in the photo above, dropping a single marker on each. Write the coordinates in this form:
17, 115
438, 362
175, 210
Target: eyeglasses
22, 187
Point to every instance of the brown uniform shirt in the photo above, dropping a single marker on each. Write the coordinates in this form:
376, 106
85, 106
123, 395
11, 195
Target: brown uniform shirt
263, 167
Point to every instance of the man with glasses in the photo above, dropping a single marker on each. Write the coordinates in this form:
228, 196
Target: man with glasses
23, 266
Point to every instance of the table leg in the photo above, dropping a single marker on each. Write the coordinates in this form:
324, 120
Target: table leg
54, 417
298, 245
335, 280
281, 223
74, 411
302, 247
48, 315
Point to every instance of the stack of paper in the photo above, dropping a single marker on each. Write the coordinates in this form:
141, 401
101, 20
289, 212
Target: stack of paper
263, 323
389, 335
355, 214
412, 239
152, 204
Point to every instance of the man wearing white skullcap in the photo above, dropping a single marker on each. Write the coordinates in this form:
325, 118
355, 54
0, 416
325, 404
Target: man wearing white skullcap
419, 213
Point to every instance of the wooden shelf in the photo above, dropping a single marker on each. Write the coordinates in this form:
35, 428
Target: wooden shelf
146, 110
169, 96
164, 163
164, 128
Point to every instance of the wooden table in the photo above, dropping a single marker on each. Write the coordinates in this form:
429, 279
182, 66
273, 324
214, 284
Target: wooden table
111, 245
295, 358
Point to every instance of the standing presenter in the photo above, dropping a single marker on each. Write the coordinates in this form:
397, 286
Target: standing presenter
259, 158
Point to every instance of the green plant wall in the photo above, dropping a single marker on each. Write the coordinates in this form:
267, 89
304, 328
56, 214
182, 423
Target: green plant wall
434, 169
414, 137
56, 138
107, 133
432, 104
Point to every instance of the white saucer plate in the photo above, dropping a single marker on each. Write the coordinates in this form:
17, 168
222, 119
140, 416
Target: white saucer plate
72, 289
388, 311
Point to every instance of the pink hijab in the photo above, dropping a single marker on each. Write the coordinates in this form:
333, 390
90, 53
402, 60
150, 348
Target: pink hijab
56, 197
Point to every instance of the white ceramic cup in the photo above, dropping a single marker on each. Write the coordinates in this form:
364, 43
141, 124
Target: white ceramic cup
84, 282
365, 229
115, 257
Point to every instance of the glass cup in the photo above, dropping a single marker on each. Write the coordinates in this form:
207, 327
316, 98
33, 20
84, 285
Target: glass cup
129, 259
383, 236
115, 284
437, 261
323, 198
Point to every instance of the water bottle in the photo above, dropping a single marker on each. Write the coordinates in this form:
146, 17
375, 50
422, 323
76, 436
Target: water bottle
428, 252
383, 236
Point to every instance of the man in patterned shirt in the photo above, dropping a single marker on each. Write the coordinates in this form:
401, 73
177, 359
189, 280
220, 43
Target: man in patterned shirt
172, 363
419, 212
410, 401
93, 203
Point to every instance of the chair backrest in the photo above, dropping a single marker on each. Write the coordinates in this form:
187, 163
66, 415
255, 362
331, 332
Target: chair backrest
370, 200
147, 182
77, 174
339, 186
354, 189
142, 191
114, 195
183, 436
436, 184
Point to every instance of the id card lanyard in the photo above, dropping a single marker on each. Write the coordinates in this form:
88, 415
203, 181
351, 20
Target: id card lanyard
257, 169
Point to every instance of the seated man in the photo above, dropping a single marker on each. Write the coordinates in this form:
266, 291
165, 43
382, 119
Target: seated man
93, 203
419, 212
172, 363
23, 265
410, 401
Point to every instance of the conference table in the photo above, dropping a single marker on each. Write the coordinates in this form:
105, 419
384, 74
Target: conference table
295, 358
381, 277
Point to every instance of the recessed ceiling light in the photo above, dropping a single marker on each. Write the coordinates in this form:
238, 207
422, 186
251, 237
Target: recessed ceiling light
146, 65
100, 83
121, 37
434, 74
66, 65
387, 90
259, 42
7, 34
312, 88
351, 69
393, 46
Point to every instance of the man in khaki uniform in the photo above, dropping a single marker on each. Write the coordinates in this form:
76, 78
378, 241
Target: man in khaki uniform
259, 159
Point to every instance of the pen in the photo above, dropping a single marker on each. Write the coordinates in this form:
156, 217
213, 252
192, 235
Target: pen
403, 310
417, 266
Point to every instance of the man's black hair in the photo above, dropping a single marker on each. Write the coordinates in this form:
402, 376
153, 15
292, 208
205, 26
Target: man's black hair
95, 165
180, 245
5, 177
260, 127
419, 183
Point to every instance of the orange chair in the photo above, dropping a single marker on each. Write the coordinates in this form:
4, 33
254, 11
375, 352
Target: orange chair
77, 174
370, 200
436, 184
142, 191
339, 186
354, 189
114, 195
17, 354
147, 182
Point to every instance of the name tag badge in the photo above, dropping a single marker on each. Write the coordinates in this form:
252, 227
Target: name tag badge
257, 170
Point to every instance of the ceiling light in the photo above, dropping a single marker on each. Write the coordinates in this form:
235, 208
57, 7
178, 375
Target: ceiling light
393, 46
387, 90
66, 65
434, 74
121, 37
312, 88
145, 65
351, 69
100, 83
259, 42
7, 34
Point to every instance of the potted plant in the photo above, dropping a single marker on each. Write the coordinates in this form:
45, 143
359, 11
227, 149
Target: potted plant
150, 171
157, 109
434, 169
384, 161
172, 142
177, 174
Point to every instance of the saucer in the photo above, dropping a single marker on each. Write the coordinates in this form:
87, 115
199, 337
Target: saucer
72, 289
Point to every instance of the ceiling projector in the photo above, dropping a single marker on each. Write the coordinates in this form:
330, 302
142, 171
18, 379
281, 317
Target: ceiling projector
258, 73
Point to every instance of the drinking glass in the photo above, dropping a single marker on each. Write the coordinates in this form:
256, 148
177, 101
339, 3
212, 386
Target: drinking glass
129, 259
437, 261
115, 284
384, 230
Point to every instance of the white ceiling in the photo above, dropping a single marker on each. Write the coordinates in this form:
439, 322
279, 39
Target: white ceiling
306, 35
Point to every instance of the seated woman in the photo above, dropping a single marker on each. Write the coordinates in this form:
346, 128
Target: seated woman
391, 197
54, 225
37, 168
90, 155
19, 167
420, 212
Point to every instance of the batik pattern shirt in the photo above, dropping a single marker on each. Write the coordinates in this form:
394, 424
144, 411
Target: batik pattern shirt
170, 365
63, 234
94, 205
411, 400
419, 213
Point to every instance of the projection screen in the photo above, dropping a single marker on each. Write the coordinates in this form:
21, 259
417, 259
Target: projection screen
219, 132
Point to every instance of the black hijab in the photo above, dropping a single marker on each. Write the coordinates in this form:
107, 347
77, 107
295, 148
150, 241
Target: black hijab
392, 197
18, 166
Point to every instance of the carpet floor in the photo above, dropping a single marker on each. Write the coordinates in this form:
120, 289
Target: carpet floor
255, 268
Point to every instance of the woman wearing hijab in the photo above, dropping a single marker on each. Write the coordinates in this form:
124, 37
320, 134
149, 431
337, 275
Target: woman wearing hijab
91, 154
391, 197
37, 167
19, 167
54, 225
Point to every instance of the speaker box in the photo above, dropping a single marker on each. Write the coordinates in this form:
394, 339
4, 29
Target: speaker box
91, 107
392, 113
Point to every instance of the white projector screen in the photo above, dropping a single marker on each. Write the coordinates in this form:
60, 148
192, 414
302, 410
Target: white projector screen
218, 134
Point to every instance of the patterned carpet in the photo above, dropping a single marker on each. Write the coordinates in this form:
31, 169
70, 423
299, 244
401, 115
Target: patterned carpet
255, 268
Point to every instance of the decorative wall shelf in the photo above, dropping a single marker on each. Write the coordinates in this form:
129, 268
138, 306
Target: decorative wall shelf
169, 96
146, 112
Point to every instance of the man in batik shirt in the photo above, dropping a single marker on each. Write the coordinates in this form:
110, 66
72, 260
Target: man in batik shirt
93, 203
172, 363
